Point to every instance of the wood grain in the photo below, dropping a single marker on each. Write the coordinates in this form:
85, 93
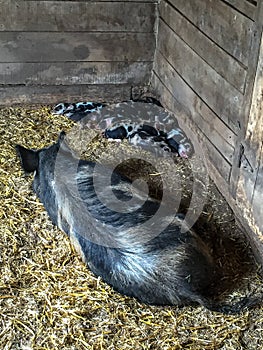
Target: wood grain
198, 109
79, 16
214, 90
250, 184
210, 151
224, 25
251, 147
218, 175
244, 7
52, 50
257, 206
50, 95
223, 63
71, 73
61, 47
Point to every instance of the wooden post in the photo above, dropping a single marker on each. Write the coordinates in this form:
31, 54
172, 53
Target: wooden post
249, 194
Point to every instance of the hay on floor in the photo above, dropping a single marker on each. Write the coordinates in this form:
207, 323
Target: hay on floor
49, 299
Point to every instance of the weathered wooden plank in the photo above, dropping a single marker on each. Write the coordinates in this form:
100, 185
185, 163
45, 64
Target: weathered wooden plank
214, 129
247, 133
224, 25
211, 153
250, 181
215, 91
249, 203
257, 205
253, 140
12, 95
224, 64
171, 103
221, 128
70, 73
54, 47
73, 1
76, 16
244, 6
186, 96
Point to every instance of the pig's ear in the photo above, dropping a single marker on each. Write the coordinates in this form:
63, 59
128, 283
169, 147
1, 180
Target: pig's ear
62, 143
61, 137
64, 146
28, 158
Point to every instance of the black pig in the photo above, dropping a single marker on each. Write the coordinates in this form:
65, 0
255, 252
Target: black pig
173, 267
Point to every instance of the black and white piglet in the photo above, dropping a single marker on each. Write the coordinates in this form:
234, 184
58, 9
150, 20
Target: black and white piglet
173, 267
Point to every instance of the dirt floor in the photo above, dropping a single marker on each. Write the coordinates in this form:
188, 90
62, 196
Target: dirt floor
49, 299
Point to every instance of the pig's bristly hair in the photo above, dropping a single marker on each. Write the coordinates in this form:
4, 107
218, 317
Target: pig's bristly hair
171, 268
28, 158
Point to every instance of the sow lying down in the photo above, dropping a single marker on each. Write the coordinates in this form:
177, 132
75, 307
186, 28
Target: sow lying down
173, 267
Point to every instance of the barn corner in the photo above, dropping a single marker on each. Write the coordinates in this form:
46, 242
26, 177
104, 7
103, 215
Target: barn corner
208, 69
202, 58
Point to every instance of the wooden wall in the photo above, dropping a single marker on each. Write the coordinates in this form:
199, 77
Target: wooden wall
74, 49
249, 193
205, 64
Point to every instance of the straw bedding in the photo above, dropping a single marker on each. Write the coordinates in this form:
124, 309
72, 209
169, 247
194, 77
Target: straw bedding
49, 299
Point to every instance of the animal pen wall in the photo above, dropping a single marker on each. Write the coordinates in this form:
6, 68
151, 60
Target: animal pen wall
203, 59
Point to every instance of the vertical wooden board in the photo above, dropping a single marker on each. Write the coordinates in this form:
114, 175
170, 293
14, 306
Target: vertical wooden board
254, 132
71, 73
249, 206
216, 92
210, 152
248, 121
257, 203
224, 64
61, 47
250, 143
250, 181
225, 26
68, 16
